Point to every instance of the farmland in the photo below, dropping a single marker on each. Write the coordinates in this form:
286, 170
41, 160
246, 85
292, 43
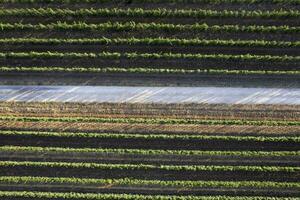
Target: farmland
96, 39
210, 110
48, 152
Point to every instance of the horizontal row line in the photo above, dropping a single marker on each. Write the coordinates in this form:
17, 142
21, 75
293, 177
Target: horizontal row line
139, 12
92, 196
144, 70
134, 26
295, 2
151, 41
117, 55
101, 166
153, 121
43, 150
145, 183
295, 139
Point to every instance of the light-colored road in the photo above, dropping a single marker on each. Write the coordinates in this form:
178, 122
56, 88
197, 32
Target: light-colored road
113, 94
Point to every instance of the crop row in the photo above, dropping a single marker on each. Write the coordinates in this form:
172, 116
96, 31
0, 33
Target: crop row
295, 2
117, 55
139, 12
146, 183
154, 136
144, 70
151, 151
152, 41
102, 166
152, 121
133, 26
92, 196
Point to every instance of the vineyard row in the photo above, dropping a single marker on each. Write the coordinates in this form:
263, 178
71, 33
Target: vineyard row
153, 136
139, 12
134, 26
116, 55
152, 121
151, 41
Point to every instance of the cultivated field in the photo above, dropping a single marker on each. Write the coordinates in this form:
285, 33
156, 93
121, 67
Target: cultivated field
125, 151
150, 150
203, 39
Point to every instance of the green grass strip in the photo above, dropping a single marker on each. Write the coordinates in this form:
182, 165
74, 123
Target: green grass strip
92, 196
153, 121
145, 183
293, 2
133, 26
151, 41
153, 136
145, 70
140, 12
116, 55
151, 151
148, 167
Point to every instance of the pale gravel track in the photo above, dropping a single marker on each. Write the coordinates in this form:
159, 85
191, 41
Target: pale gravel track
113, 94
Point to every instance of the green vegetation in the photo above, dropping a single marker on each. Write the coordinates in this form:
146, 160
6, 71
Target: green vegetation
133, 26
115, 55
153, 121
144, 70
151, 41
150, 167
154, 136
152, 151
149, 37
50, 195
145, 183
293, 2
139, 12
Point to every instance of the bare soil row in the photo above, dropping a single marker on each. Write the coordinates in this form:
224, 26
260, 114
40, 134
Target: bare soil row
152, 128
163, 159
190, 111
191, 64
96, 48
152, 33
140, 143
151, 79
151, 174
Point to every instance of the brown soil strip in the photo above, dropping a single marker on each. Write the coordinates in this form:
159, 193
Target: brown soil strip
140, 110
151, 128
